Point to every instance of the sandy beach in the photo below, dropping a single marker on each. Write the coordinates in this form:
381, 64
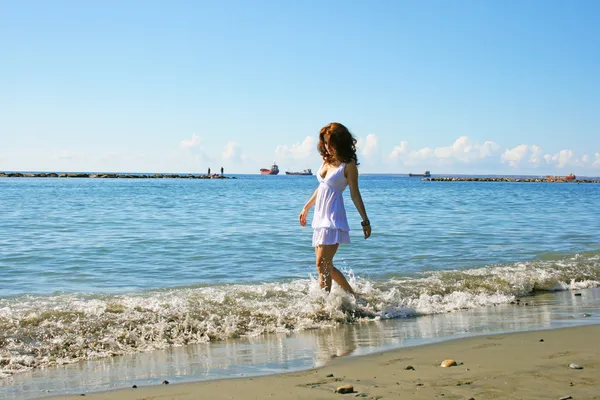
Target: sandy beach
529, 365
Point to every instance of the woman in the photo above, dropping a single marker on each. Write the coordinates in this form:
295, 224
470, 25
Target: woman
338, 149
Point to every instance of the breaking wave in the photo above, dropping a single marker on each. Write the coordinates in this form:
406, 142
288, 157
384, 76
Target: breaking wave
38, 331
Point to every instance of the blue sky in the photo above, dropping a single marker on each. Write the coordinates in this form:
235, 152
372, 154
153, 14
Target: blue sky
508, 87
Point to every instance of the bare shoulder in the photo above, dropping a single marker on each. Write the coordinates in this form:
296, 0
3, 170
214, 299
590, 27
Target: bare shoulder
351, 171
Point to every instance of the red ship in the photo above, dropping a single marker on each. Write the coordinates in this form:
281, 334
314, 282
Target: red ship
273, 171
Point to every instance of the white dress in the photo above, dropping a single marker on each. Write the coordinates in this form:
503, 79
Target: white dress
329, 221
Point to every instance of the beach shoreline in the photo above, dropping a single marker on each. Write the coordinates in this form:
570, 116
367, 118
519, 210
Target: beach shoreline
524, 365
309, 350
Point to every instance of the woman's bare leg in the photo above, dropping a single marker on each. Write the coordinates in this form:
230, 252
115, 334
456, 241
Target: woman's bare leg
340, 279
327, 271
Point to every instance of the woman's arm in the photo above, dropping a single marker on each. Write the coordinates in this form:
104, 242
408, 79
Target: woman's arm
352, 177
309, 204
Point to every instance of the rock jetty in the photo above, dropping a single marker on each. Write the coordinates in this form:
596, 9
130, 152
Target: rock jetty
110, 175
506, 179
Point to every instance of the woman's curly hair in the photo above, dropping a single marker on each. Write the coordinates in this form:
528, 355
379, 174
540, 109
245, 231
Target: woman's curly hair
340, 138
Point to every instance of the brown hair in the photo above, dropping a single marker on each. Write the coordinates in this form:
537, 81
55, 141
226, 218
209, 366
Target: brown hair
340, 138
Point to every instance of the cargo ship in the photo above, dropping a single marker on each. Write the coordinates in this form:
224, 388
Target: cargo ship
273, 171
304, 172
570, 177
426, 174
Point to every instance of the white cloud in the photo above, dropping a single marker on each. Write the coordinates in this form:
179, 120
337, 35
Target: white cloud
194, 142
566, 158
537, 155
298, 151
233, 152
298, 156
368, 147
399, 151
466, 151
488, 149
514, 156
419, 156
462, 151
531, 155
192, 155
596, 163
403, 154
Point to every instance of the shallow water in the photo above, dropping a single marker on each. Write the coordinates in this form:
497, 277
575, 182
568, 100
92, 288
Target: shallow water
121, 236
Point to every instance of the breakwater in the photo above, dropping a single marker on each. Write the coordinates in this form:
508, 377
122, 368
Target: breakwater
110, 175
508, 179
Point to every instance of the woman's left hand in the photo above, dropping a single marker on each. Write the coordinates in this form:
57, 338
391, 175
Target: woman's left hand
367, 231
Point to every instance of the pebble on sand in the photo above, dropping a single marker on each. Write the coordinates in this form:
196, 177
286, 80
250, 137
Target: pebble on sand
575, 366
345, 389
409, 368
448, 363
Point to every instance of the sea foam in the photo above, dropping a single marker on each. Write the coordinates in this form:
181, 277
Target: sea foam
64, 328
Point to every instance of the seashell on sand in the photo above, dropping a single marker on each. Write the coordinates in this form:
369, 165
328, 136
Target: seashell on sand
448, 363
575, 366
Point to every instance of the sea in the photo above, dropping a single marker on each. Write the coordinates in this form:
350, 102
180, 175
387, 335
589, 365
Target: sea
109, 283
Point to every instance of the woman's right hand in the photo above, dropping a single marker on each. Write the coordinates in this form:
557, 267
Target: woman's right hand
302, 216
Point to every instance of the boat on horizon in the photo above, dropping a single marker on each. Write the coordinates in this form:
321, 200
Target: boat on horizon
303, 172
552, 178
274, 170
426, 174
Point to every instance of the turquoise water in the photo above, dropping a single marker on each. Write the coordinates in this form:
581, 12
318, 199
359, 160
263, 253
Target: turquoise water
99, 267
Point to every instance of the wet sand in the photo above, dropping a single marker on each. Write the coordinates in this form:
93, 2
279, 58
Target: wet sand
528, 365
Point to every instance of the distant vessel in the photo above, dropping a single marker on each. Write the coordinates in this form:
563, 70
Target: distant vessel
570, 177
304, 172
427, 174
273, 171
